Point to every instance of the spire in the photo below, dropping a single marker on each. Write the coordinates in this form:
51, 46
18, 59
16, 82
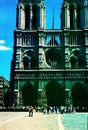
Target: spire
53, 20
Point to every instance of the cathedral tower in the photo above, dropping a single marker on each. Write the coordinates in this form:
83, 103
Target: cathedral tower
30, 18
74, 23
30, 14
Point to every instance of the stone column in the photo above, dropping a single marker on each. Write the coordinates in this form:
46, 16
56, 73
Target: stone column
85, 15
75, 17
31, 17
42, 16
65, 9
67, 16
18, 17
18, 96
22, 17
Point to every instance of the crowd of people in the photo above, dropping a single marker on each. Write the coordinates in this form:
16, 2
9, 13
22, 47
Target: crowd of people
55, 109
49, 109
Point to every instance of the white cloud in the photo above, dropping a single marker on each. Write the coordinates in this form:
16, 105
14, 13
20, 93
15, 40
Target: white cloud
5, 48
2, 41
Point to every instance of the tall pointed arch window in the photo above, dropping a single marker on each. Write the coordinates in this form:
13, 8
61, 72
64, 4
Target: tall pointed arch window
26, 62
78, 16
35, 20
27, 17
71, 16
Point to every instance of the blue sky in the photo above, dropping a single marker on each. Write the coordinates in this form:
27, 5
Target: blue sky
8, 25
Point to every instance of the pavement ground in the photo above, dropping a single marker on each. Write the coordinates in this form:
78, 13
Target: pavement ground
21, 121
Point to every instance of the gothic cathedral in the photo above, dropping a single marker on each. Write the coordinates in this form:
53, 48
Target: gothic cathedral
50, 66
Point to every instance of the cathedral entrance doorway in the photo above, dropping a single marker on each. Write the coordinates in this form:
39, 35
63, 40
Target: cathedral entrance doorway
28, 94
55, 94
79, 95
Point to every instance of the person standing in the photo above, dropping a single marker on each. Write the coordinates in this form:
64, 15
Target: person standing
29, 110
48, 109
32, 111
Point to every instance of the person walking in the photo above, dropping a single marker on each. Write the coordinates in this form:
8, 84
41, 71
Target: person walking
29, 110
48, 109
32, 111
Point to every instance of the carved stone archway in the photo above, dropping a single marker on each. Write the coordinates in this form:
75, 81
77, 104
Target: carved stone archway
29, 95
79, 95
55, 94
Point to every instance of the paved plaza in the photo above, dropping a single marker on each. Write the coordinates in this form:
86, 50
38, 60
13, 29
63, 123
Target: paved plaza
21, 121
40, 121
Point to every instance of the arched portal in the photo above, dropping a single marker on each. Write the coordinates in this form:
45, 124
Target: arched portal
55, 94
29, 95
79, 95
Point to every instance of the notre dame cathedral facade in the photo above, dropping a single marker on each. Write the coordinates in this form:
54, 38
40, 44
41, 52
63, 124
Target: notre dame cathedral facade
50, 66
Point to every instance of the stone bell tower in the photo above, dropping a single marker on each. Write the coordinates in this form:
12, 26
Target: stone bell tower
30, 18
74, 23
30, 14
